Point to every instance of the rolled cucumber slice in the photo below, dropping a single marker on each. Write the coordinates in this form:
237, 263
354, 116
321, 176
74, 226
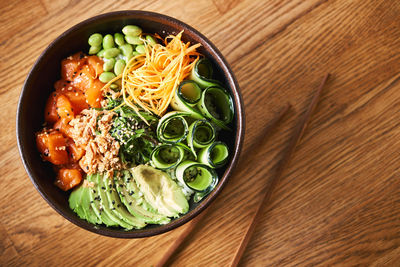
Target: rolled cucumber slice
167, 156
202, 74
214, 155
198, 177
173, 127
186, 96
216, 104
201, 134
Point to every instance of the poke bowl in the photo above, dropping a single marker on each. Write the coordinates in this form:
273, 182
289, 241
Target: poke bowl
130, 123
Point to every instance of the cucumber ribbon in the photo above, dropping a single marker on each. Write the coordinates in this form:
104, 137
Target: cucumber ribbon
198, 177
168, 156
213, 103
214, 155
204, 97
216, 104
173, 127
186, 97
201, 134
202, 73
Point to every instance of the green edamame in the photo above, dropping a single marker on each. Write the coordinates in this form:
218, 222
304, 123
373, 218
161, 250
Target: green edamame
109, 64
111, 52
119, 66
132, 30
106, 76
101, 53
135, 53
127, 50
119, 39
95, 39
135, 40
94, 50
114, 86
150, 39
140, 49
108, 41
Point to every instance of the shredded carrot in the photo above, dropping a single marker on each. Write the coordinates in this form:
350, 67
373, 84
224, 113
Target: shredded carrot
149, 81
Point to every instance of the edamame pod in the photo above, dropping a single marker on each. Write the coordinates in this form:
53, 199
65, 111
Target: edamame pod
135, 40
95, 39
214, 155
198, 177
114, 86
141, 49
202, 74
119, 39
132, 30
119, 67
101, 53
127, 50
94, 50
186, 97
111, 52
201, 134
108, 41
109, 64
106, 76
172, 127
216, 104
150, 40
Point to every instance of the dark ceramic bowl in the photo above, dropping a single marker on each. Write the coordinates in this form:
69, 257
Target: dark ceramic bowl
46, 71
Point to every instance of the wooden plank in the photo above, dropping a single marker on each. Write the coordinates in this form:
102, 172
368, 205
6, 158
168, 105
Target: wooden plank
339, 201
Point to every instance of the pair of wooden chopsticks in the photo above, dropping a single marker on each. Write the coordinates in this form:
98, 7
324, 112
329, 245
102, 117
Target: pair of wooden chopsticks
296, 137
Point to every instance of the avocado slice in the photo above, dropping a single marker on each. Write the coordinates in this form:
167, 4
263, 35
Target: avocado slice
86, 205
106, 205
160, 191
117, 207
95, 202
128, 195
79, 201
74, 201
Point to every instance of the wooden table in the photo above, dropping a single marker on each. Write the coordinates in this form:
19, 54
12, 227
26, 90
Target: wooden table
339, 201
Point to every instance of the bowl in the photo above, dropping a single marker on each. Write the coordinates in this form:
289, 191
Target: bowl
46, 70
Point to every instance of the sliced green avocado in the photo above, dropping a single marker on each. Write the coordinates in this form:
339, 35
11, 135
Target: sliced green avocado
117, 207
160, 191
106, 205
95, 202
79, 201
75, 202
128, 196
87, 207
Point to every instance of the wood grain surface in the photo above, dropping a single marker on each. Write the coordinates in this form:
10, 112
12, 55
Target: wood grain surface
338, 203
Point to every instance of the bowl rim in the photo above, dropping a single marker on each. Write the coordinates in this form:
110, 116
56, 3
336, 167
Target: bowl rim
240, 127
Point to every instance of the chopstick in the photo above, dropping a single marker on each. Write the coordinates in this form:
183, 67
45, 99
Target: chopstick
296, 137
165, 260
